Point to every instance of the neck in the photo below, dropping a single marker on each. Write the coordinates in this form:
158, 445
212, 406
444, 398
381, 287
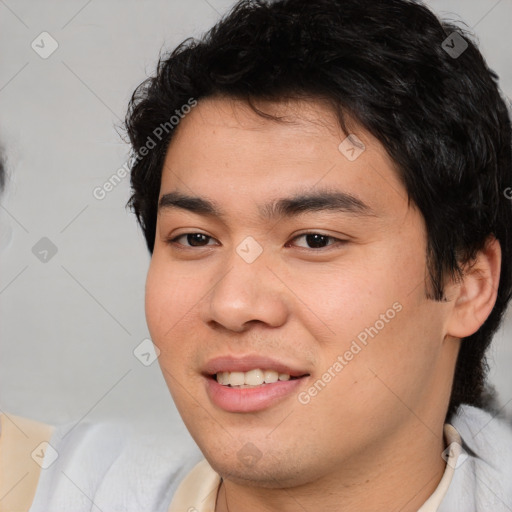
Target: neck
399, 477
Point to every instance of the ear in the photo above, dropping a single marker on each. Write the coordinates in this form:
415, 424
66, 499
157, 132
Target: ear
475, 295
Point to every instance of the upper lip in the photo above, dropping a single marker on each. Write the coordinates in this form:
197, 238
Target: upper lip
246, 363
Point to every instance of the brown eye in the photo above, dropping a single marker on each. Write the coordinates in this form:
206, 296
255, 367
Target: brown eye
317, 240
192, 239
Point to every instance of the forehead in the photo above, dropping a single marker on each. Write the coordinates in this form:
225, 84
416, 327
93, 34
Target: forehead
224, 146
266, 121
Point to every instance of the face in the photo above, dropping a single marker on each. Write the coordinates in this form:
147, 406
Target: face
285, 253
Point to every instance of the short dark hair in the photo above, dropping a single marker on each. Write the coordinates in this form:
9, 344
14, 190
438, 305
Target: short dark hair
387, 65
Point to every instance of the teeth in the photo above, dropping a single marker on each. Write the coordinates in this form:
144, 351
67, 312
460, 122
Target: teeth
236, 378
271, 376
223, 378
251, 378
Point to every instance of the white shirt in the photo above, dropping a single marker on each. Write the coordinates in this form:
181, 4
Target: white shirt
99, 469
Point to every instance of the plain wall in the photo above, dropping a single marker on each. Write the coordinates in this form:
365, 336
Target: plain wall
69, 325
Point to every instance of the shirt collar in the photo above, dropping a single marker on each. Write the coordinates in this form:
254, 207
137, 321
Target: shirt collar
198, 491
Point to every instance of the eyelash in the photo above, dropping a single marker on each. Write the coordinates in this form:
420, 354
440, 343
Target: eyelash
338, 241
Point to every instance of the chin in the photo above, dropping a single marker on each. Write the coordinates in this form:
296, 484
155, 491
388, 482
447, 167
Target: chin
270, 472
270, 477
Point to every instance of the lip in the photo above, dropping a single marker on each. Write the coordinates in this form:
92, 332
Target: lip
258, 398
250, 399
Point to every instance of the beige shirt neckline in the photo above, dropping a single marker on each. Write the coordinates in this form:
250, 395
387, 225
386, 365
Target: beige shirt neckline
198, 491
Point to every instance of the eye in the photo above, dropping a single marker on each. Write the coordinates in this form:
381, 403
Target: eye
312, 239
194, 239
318, 240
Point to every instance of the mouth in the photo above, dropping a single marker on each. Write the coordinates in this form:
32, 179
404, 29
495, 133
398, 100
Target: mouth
253, 378
252, 383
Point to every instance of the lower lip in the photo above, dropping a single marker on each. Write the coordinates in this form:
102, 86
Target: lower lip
250, 399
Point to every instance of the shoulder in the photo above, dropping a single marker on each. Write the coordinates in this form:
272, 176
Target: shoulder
23, 447
114, 467
482, 478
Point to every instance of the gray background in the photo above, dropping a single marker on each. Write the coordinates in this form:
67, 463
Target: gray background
69, 325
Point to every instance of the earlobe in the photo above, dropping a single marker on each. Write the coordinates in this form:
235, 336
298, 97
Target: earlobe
475, 294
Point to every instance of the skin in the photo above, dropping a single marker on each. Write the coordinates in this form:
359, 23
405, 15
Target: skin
373, 436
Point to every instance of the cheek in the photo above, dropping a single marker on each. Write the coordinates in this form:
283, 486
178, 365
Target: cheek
168, 298
166, 309
377, 314
341, 301
156, 303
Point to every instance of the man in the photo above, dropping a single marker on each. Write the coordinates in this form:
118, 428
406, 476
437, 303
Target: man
321, 185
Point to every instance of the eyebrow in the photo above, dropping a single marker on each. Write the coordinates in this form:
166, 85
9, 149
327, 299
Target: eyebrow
286, 207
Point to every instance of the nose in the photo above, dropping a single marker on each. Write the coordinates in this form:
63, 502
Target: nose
246, 293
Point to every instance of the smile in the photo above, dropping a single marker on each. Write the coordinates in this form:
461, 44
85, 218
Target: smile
252, 378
